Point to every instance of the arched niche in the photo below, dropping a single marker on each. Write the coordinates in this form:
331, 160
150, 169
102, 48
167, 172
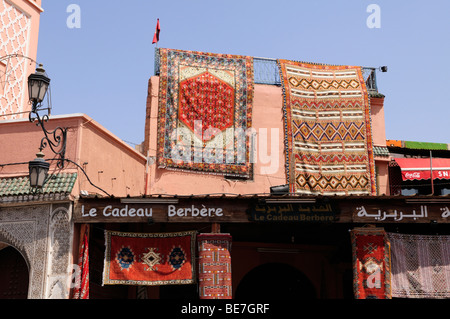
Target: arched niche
14, 273
275, 281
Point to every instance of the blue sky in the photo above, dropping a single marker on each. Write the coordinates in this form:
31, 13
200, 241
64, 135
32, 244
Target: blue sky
102, 68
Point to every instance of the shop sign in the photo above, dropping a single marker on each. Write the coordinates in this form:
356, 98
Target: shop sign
293, 212
114, 211
422, 213
172, 210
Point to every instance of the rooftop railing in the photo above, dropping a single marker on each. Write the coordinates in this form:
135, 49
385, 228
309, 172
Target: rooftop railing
266, 71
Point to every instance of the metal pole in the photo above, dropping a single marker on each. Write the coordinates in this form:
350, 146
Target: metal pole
431, 172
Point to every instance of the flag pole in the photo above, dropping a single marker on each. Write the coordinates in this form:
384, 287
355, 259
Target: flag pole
431, 172
156, 40
156, 35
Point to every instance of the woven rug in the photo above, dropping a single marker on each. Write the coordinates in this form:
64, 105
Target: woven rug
81, 290
328, 137
149, 258
205, 111
215, 266
420, 266
371, 263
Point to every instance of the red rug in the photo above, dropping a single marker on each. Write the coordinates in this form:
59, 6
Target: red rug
149, 258
371, 263
215, 266
81, 290
205, 110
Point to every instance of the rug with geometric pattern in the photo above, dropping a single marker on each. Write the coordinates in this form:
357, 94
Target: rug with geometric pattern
371, 263
205, 112
214, 266
149, 258
328, 138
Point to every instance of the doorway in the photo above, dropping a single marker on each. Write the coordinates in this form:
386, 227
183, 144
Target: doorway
14, 275
275, 281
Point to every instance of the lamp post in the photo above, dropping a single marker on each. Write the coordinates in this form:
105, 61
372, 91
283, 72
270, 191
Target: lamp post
38, 84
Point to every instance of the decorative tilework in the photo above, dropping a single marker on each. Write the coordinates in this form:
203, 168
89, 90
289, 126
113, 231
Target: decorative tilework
56, 183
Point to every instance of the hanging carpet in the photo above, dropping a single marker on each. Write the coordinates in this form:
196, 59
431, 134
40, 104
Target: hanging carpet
214, 266
205, 111
328, 139
81, 289
371, 263
420, 266
149, 258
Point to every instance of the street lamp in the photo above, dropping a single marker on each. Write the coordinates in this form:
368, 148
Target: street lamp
38, 170
38, 84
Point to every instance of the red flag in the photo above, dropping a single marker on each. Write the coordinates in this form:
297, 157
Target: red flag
156, 36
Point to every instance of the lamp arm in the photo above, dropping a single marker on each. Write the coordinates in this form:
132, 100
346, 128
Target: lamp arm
81, 168
16, 55
55, 139
85, 174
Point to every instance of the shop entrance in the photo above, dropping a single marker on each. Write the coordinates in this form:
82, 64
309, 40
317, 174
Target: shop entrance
14, 276
274, 281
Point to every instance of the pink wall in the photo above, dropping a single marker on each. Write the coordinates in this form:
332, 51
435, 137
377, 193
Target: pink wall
378, 122
20, 141
110, 163
268, 115
383, 177
379, 139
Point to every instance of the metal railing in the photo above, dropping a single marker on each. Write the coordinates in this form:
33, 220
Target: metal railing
266, 71
370, 76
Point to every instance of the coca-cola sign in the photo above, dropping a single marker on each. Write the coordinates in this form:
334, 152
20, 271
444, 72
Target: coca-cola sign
424, 168
425, 174
413, 175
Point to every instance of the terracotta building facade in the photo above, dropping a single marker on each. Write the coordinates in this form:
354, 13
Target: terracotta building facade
242, 188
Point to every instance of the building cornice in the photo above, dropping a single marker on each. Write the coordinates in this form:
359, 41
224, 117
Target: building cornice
35, 5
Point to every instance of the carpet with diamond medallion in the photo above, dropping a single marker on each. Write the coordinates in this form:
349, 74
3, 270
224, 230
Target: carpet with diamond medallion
149, 258
205, 109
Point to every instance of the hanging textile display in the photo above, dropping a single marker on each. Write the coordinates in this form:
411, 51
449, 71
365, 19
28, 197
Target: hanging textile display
149, 258
81, 289
205, 112
371, 263
328, 138
214, 266
420, 266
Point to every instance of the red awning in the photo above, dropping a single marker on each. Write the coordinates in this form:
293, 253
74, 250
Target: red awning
419, 168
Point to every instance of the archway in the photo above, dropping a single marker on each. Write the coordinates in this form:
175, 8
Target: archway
274, 281
14, 275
